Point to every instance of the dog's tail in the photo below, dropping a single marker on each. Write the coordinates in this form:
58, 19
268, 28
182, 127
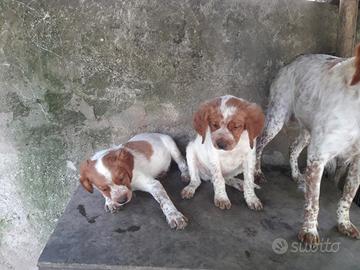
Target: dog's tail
330, 168
279, 109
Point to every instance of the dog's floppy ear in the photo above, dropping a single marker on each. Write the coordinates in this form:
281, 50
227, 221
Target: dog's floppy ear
123, 172
121, 164
84, 180
356, 77
201, 121
254, 122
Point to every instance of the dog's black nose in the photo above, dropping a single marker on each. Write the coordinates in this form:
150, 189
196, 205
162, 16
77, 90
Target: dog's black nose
221, 144
123, 200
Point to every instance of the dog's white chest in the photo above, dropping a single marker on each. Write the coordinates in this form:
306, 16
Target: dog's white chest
232, 162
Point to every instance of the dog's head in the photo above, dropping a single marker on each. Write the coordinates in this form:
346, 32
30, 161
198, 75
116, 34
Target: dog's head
227, 118
111, 175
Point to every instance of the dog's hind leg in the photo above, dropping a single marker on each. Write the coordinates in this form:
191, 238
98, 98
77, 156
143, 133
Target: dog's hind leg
343, 212
195, 181
296, 148
176, 156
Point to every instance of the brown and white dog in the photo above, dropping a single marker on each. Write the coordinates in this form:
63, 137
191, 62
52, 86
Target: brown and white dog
323, 93
227, 127
118, 171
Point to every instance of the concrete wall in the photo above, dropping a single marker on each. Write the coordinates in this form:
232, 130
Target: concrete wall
78, 76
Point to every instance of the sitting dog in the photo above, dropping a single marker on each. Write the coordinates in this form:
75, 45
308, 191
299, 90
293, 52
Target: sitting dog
323, 93
227, 127
118, 171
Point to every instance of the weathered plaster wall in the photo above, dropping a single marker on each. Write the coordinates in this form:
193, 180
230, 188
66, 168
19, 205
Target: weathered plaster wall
77, 76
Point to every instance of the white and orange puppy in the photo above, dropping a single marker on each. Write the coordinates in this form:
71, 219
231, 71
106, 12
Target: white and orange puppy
227, 128
118, 171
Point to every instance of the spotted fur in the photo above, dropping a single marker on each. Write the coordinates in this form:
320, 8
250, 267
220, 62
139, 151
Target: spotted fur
323, 93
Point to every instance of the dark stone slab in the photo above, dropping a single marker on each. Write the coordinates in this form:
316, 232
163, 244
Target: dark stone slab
138, 236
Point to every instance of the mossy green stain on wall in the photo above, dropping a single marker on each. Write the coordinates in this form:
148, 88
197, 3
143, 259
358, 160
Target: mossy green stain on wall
4, 223
16, 105
56, 101
54, 82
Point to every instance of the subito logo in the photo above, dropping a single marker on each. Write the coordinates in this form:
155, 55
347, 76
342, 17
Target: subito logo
280, 246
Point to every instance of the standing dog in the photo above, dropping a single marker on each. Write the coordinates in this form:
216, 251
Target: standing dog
227, 127
323, 93
117, 171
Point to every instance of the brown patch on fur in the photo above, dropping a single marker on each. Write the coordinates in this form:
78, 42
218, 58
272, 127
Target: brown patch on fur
121, 164
236, 102
356, 76
251, 115
208, 114
89, 177
237, 124
255, 120
142, 147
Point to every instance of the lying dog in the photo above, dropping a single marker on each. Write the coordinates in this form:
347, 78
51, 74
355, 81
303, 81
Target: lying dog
323, 93
224, 147
117, 171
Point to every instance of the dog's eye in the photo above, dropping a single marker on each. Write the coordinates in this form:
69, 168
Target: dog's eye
104, 188
238, 126
214, 125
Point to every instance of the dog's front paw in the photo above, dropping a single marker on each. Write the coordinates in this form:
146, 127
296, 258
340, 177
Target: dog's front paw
222, 202
349, 229
309, 236
188, 192
255, 204
176, 220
